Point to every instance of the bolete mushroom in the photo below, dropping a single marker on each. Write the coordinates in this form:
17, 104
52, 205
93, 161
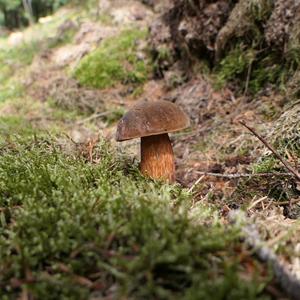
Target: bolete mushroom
152, 121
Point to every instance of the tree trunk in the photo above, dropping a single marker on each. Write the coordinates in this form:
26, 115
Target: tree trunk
27, 4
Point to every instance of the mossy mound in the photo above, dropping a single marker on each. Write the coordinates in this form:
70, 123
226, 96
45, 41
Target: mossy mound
115, 61
72, 229
253, 44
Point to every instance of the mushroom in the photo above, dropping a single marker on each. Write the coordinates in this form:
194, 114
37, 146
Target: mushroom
152, 121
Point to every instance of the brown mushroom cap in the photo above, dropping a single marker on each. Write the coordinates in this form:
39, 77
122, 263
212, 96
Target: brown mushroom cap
151, 118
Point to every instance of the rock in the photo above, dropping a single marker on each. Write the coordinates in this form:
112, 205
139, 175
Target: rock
45, 20
16, 38
87, 38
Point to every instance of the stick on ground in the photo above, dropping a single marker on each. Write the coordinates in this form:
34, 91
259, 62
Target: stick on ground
271, 148
239, 175
289, 283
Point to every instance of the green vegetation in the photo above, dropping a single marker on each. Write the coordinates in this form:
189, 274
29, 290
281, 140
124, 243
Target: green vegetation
13, 60
253, 54
114, 61
14, 124
277, 187
266, 165
235, 65
71, 229
10, 90
251, 69
78, 221
260, 9
285, 134
264, 74
15, 13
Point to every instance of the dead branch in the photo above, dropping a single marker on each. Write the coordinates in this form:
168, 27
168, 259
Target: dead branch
197, 181
289, 283
239, 175
271, 148
94, 116
292, 201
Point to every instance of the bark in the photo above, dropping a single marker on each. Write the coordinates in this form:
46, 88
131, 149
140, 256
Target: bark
28, 9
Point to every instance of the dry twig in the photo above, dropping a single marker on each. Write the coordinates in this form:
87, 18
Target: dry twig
257, 202
289, 283
239, 175
94, 116
271, 148
197, 181
292, 201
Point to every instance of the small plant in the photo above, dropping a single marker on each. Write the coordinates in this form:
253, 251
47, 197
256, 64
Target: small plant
266, 165
267, 69
235, 64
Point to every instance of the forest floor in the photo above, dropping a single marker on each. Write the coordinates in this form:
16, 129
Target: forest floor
78, 221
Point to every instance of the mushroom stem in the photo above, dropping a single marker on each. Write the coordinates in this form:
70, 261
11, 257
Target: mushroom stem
157, 157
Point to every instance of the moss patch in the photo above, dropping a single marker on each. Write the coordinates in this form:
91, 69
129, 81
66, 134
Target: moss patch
14, 125
114, 61
235, 65
12, 62
71, 229
252, 69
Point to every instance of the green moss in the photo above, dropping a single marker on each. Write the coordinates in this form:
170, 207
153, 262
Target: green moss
162, 59
235, 65
19, 56
14, 125
13, 61
260, 9
266, 165
11, 89
164, 54
268, 69
138, 91
254, 69
114, 61
82, 228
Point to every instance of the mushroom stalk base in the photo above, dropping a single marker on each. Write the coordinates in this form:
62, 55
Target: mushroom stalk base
157, 157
